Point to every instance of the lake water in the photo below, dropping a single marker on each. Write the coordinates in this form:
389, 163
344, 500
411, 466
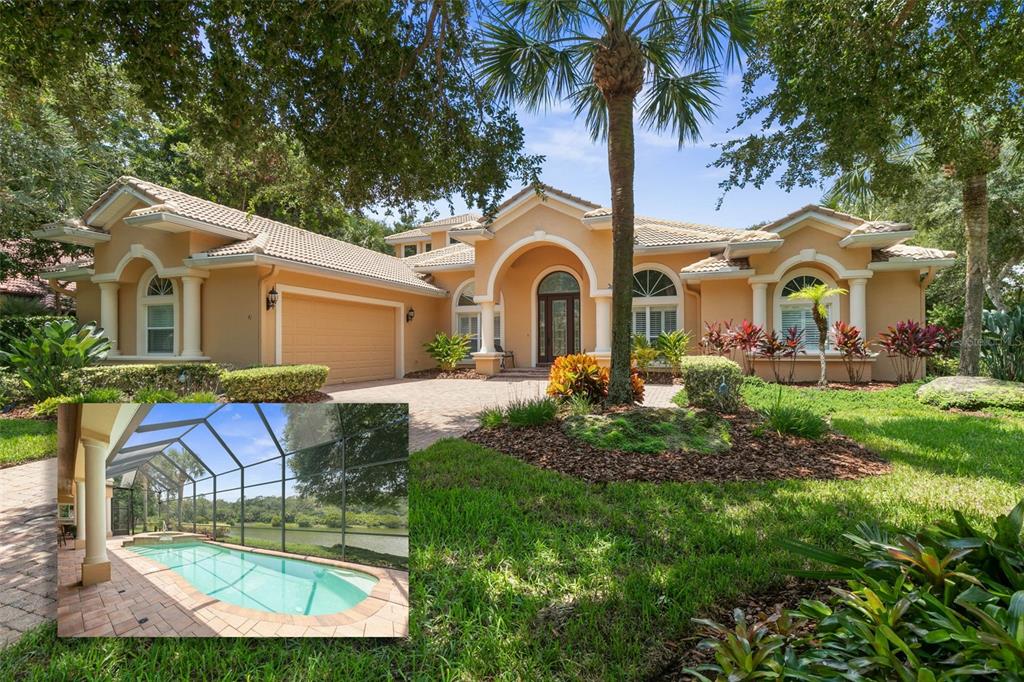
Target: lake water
395, 545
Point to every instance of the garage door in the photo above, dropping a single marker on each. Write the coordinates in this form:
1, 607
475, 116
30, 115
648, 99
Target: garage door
357, 341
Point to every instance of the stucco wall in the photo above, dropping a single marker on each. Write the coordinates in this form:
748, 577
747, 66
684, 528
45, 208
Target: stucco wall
231, 308
891, 297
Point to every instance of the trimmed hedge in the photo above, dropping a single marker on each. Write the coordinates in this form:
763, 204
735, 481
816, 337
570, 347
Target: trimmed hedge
180, 378
972, 393
21, 327
272, 384
712, 382
12, 388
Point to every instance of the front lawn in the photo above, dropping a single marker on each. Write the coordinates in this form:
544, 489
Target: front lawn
25, 440
521, 573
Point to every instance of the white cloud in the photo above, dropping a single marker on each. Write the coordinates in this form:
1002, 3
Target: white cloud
565, 143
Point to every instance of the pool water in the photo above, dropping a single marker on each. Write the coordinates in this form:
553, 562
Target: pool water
262, 582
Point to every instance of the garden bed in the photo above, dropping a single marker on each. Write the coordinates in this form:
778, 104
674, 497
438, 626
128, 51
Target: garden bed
756, 455
435, 373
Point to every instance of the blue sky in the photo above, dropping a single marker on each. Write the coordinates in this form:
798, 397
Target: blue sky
670, 182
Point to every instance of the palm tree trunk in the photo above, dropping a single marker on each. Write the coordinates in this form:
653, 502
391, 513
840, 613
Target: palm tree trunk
975, 198
620, 170
822, 324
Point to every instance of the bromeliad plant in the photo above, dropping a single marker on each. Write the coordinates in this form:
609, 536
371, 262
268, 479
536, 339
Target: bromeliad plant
850, 344
448, 351
48, 351
946, 603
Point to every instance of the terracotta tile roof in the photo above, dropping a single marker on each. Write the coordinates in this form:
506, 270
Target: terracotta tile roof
816, 209
717, 263
881, 226
456, 254
414, 232
547, 189
904, 251
599, 212
451, 220
468, 225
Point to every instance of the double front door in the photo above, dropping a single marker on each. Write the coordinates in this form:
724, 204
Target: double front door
558, 325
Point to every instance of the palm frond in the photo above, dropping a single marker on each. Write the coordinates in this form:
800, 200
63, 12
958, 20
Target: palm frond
680, 103
588, 102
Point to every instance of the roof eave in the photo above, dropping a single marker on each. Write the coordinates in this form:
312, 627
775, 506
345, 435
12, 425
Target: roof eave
70, 274
234, 260
71, 235
680, 248
753, 248
876, 239
441, 268
911, 264
738, 273
411, 239
472, 236
157, 218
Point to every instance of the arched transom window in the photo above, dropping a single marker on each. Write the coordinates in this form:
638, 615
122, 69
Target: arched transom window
655, 304
467, 317
797, 313
158, 316
559, 283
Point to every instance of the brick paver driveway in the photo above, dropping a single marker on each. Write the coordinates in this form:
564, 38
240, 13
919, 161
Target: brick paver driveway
441, 408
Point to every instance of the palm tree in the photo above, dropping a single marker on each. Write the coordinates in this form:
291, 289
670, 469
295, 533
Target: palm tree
816, 294
600, 55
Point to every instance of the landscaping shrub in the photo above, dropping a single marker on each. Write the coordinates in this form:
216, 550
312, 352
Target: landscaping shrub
491, 417
651, 431
792, 420
850, 344
909, 342
578, 374
41, 357
155, 395
945, 603
49, 406
578, 405
712, 383
14, 326
448, 351
272, 384
23, 306
178, 377
531, 412
972, 393
673, 346
746, 338
1002, 347
12, 388
644, 353
199, 397
717, 338
942, 367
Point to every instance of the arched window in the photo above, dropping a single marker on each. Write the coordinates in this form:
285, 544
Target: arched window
559, 283
797, 313
158, 316
466, 317
655, 304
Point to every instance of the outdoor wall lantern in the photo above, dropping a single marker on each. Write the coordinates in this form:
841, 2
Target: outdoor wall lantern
272, 298
409, 314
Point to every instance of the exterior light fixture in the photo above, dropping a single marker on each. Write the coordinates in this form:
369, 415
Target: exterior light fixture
272, 296
409, 314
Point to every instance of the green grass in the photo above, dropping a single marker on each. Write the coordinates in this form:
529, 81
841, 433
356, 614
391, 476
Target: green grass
26, 440
651, 431
519, 573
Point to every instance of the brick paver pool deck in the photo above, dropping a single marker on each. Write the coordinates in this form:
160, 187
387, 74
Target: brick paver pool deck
438, 408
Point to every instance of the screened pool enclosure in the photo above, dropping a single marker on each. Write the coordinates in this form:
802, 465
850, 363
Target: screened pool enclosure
324, 479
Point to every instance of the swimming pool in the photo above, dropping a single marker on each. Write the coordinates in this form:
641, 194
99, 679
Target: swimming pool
263, 582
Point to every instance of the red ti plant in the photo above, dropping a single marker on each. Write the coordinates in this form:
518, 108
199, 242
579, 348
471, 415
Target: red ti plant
850, 344
718, 338
908, 343
746, 338
772, 349
794, 343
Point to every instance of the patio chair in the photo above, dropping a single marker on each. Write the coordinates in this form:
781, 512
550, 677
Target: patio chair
505, 354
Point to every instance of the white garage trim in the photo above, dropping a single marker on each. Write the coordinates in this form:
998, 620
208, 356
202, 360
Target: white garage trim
331, 295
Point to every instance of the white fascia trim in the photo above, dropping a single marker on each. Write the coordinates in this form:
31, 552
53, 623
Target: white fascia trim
740, 249
71, 235
124, 189
335, 296
191, 223
874, 239
70, 274
440, 268
911, 264
726, 274
544, 197
475, 235
827, 219
259, 259
599, 222
679, 248
407, 240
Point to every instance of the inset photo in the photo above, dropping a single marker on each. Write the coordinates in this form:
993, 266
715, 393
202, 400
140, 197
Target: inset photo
233, 520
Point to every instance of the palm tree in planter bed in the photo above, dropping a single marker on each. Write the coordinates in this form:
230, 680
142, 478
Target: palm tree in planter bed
817, 294
599, 55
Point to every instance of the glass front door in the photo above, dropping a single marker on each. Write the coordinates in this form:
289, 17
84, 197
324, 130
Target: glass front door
558, 326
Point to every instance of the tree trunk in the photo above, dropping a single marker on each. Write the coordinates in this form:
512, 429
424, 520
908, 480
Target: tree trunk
620, 170
822, 324
975, 197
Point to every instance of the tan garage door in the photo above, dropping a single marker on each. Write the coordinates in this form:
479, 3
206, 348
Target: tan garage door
355, 340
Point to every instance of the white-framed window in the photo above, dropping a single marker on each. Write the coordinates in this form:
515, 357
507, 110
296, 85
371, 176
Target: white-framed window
798, 313
409, 250
158, 316
655, 304
467, 317
426, 247
452, 240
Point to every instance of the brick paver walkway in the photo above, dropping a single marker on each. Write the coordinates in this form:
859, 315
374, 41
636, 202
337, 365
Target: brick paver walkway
442, 408
28, 562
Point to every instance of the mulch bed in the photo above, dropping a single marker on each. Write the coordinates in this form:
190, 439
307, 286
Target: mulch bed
753, 457
676, 657
461, 373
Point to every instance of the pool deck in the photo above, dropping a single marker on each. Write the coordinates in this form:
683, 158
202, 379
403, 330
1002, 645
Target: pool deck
146, 599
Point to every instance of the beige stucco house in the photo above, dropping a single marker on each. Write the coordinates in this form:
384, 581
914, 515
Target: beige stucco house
178, 278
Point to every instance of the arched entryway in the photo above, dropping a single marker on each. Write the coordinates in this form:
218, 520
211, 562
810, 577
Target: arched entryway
558, 316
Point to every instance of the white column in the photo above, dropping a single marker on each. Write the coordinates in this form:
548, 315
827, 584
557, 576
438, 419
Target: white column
487, 327
95, 502
760, 303
603, 321
108, 312
190, 316
858, 305
110, 528
79, 511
